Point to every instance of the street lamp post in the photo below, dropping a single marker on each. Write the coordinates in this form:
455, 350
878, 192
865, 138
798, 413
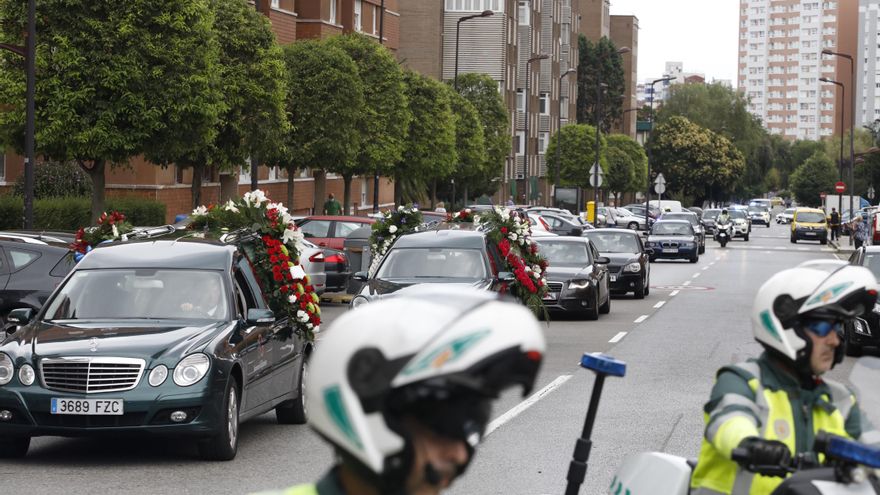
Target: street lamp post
376, 175
651, 131
543, 56
852, 149
840, 162
599, 84
485, 13
559, 134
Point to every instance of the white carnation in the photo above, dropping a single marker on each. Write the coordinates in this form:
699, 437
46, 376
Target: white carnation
302, 316
513, 237
230, 206
115, 231
291, 234
392, 229
255, 198
201, 210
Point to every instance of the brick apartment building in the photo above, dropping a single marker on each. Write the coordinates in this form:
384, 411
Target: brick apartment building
291, 20
780, 64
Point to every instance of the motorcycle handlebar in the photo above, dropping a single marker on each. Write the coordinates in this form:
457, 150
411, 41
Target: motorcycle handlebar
742, 457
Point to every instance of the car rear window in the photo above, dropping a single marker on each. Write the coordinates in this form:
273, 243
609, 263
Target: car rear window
21, 258
315, 228
345, 228
565, 253
614, 242
63, 267
434, 263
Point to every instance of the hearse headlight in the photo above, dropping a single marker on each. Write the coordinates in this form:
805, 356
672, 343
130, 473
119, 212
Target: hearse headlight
26, 375
633, 267
578, 284
7, 370
158, 375
191, 369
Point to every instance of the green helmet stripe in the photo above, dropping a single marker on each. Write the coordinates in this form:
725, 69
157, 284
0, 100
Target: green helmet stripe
339, 415
767, 321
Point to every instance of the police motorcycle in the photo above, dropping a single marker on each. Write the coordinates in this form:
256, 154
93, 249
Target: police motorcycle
849, 467
723, 233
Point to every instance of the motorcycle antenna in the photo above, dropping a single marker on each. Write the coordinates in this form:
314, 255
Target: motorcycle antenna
603, 365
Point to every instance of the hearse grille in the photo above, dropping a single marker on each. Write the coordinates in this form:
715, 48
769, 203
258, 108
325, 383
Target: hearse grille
86, 375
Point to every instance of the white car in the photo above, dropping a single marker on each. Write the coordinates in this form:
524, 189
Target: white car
628, 219
786, 216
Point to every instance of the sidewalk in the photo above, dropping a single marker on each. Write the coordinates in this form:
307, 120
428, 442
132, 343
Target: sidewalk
843, 247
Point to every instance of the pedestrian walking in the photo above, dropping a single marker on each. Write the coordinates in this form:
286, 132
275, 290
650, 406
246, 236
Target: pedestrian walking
834, 223
860, 231
331, 206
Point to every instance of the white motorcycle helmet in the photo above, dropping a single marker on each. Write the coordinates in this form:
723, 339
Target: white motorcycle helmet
439, 354
832, 291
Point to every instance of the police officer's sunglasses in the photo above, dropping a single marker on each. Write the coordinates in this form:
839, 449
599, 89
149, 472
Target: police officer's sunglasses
823, 327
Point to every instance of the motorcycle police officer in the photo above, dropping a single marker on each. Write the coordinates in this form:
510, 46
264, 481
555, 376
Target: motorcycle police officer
402, 388
774, 405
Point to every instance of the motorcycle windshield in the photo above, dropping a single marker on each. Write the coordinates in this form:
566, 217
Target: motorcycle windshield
865, 378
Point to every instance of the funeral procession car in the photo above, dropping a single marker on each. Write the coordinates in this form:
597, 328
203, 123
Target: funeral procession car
170, 338
577, 277
629, 269
673, 239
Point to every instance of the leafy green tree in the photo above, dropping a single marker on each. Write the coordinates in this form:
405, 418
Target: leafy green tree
621, 172
325, 102
472, 169
815, 176
599, 59
577, 154
56, 180
637, 155
385, 119
253, 121
115, 80
429, 152
773, 180
696, 162
482, 91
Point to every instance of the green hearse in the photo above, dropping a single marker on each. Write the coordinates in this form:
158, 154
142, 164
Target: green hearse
156, 337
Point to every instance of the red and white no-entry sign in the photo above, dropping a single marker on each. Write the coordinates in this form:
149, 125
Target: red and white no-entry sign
840, 187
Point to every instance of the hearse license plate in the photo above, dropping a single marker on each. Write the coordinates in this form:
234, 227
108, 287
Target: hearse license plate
670, 250
87, 407
614, 278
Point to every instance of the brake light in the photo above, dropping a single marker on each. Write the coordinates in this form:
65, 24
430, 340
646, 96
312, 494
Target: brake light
544, 223
335, 258
317, 257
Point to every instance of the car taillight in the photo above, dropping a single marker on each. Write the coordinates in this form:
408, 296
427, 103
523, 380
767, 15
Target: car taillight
544, 223
317, 257
335, 258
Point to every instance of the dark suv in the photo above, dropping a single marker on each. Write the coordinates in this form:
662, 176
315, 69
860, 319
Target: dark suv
447, 256
169, 338
31, 266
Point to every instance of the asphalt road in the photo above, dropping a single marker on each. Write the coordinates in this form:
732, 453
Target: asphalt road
695, 320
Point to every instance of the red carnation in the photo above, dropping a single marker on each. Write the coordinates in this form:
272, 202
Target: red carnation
504, 230
309, 288
273, 259
277, 277
303, 305
283, 289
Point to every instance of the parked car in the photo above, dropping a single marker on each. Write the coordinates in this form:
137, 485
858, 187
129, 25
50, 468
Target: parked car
696, 209
639, 208
561, 225
785, 216
673, 239
863, 335
447, 256
432, 218
169, 338
629, 269
330, 231
313, 263
629, 220
337, 270
694, 221
809, 224
559, 212
30, 269
760, 215
577, 277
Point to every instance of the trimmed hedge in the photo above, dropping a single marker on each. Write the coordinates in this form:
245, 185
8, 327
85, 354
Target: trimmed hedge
73, 213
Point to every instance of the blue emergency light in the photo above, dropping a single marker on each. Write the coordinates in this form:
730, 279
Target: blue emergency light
603, 363
849, 450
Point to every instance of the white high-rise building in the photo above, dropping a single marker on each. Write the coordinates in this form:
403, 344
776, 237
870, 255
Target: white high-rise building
780, 63
868, 90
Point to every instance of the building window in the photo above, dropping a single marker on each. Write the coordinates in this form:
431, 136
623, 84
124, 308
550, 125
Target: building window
519, 143
376, 13
472, 5
333, 11
358, 10
520, 100
544, 104
543, 142
524, 14
275, 4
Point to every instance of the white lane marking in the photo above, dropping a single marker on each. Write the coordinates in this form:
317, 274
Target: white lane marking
522, 406
696, 275
617, 338
803, 249
705, 268
673, 293
686, 282
641, 319
659, 304
768, 252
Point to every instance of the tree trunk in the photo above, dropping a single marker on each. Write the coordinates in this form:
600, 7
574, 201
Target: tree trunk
228, 187
96, 173
398, 191
291, 173
433, 194
346, 194
465, 195
320, 187
196, 187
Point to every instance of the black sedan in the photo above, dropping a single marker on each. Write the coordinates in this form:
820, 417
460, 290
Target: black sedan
864, 334
167, 338
629, 269
577, 277
673, 239
30, 269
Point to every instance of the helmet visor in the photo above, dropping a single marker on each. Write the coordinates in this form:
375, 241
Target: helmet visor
822, 328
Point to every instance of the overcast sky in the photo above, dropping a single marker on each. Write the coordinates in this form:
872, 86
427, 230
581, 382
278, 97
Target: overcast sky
700, 33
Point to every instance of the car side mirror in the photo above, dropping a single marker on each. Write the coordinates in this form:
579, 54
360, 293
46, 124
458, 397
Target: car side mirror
603, 260
649, 251
645, 233
575, 231
19, 317
360, 276
506, 277
260, 317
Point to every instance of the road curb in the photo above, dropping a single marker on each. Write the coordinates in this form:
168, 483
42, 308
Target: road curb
336, 297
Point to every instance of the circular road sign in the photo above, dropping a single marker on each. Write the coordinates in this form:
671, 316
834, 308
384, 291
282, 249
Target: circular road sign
840, 187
